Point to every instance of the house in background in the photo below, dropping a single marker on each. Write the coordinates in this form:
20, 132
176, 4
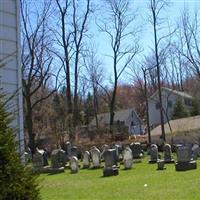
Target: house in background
127, 118
169, 99
10, 65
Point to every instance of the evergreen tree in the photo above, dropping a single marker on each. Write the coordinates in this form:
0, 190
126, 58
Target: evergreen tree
195, 107
16, 181
180, 111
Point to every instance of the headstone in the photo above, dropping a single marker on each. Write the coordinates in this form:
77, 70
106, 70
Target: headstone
104, 149
153, 153
74, 151
58, 158
111, 159
128, 158
137, 150
184, 161
74, 165
119, 151
161, 164
95, 155
40, 160
168, 154
67, 147
86, 159
195, 151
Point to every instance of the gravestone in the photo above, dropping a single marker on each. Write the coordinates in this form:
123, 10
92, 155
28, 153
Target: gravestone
161, 164
128, 158
74, 165
105, 147
86, 159
118, 151
58, 158
168, 154
67, 147
74, 151
184, 161
40, 161
195, 151
58, 161
153, 153
137, 150
95, 155
111, 159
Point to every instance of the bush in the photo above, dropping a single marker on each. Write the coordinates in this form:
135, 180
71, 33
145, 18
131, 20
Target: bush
195, 107
16, 181
180, 111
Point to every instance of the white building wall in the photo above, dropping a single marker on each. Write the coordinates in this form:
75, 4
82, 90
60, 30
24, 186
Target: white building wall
154, 113
10, 73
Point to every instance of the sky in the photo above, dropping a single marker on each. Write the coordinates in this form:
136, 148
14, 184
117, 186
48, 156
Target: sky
172, 13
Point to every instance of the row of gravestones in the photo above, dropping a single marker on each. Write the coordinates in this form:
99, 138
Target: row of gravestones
59, 158
186, 156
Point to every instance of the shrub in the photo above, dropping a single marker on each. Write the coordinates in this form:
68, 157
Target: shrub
16, 181
180, 111
195, 107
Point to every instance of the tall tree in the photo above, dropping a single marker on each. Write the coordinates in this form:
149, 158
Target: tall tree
36, 60
74, 26
118, 26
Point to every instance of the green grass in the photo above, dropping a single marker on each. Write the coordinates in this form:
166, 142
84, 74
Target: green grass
129, 184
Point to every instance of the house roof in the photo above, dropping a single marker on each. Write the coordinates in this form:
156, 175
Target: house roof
176, 92
121, 115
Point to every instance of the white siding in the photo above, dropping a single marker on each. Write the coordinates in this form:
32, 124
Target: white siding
10, 73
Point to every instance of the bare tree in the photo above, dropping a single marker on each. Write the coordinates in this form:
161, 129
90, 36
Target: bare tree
118, 26
95, 72
189, 38
36, 61
74, 26
156, 6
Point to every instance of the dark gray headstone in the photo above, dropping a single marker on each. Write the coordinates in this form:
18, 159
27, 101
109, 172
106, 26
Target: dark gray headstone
110, 157
67, 148
137, 150
74, 151
153, 153
58, 158
168, 154
184, 162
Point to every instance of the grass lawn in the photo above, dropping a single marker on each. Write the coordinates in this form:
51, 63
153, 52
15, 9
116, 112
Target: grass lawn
129, 184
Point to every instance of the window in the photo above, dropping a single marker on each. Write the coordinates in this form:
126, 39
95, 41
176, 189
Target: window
188, 102
132, 123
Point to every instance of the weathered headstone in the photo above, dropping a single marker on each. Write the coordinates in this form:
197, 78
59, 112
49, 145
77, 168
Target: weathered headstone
86, 159
161, 164
118, 151
58, 158
137, 150
105, 147
40, 160
110, 168
74, 165
128, 158
184, 161
153, 153
95, 155
195, 151
168, 154
74, 151
67, 147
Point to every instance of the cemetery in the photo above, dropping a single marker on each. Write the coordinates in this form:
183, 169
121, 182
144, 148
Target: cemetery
113, 172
